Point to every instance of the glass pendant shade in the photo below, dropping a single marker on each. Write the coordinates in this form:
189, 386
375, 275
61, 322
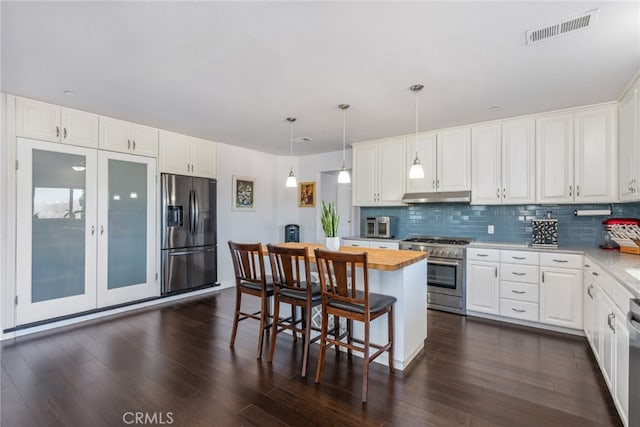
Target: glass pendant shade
343, 176
416, 171
291, 180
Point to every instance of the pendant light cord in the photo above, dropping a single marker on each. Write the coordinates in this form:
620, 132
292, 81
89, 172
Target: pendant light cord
416, 142
344, 133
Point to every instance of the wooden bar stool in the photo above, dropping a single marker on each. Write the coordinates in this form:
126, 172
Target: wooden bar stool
292, 284
341, 299
248, 265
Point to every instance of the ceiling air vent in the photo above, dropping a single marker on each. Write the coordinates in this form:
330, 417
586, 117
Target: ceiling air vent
576, 23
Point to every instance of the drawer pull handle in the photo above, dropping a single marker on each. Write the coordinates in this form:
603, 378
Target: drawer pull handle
482, 255
515, 273
587, 265
594, 273
518, 292
382, 247
560, 260
518, 310
519, 257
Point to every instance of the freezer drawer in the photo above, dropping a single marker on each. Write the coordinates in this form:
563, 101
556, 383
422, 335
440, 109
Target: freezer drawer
186, 269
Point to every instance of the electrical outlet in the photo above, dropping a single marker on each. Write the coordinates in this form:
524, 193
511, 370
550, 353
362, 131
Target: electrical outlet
490, 229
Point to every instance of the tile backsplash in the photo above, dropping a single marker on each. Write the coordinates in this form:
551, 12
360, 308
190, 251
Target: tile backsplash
512, 224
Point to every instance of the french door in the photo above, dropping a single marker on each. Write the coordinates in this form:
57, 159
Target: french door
86, 229
56, 230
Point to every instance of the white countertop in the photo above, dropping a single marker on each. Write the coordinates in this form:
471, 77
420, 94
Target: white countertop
625, 268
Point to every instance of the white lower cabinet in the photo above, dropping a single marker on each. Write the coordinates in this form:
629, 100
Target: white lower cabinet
605, 323
561, 297
86, 228
370, 244
483, 281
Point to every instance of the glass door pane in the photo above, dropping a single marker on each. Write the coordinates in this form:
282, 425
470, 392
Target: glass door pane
55, 230
58, 225
127, 223
127, 211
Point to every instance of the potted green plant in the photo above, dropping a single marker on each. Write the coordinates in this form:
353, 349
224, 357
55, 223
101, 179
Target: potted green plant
330, 221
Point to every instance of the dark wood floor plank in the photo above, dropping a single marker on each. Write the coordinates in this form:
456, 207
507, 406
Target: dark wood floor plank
174, 360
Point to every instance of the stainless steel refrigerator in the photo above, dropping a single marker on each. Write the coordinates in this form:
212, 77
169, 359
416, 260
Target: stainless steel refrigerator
189, 237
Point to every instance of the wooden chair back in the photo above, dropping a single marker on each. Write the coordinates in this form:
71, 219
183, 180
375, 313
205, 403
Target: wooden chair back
248, 263
290, 268
337, 271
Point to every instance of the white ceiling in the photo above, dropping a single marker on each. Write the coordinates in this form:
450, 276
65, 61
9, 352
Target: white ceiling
232, 72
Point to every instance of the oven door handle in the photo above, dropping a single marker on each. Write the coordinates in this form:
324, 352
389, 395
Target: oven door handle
450, 264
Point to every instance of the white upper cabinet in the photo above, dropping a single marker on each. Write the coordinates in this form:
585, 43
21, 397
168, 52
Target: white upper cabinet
446, 159
379, 172
629, 113
125, 137
186, 155
595, 156
454, 160
503, 163
47, 122
554, 154
425, 147
585, 140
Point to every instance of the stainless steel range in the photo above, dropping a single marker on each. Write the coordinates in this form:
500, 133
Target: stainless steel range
445, 271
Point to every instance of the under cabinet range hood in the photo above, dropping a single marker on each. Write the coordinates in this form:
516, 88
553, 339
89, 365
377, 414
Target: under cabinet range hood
438, 197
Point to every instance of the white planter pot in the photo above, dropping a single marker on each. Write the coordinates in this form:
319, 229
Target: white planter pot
332, 243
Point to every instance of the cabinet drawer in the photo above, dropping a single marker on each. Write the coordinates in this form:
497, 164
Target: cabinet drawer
519, 291
560, 260
519, 273
520, 257
355, 243
519, 309
476, 254
384, 245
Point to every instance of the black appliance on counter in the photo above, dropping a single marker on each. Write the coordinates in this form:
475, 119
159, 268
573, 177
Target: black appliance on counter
445, 270
291, 233
189, 235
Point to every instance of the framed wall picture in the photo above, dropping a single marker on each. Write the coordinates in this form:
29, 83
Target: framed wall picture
307, 194
243, 193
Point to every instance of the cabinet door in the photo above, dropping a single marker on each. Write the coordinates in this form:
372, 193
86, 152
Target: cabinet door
607, 339
127, 228
114, 135
486, 180
622, 367
365, 179
518, 162
454, 160
37, 120
56, 230
561, 297
628, 146
79, 128
426, 151
392, 172
589, 307
203, 158
174, 153
144, 140
483, 287
554, 157
595, 156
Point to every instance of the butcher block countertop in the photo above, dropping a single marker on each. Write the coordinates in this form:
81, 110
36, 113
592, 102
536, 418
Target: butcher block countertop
379, 259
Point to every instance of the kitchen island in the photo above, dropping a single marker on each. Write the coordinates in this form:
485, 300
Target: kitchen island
402, 274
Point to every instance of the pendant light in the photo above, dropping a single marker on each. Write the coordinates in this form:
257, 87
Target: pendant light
343, 176
416, 171
291, 179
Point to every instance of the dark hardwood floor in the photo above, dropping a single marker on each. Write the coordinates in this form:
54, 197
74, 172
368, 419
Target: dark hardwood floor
172, 364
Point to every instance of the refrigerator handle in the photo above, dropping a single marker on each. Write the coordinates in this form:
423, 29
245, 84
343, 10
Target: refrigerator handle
191, 212
196, 208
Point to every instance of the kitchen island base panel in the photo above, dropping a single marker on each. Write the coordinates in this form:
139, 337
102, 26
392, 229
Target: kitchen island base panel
408, 285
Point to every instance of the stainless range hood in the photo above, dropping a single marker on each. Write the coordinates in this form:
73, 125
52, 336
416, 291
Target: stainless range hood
438, 197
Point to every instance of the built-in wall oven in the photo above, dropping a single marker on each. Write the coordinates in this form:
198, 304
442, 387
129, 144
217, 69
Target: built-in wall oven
445, 271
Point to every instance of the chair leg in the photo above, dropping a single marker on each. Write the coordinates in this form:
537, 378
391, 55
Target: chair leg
264, 314
365, 363
336, 332
323, 345
391, 340
274, 328
294, 320
306, 312
236, 316
349, 337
